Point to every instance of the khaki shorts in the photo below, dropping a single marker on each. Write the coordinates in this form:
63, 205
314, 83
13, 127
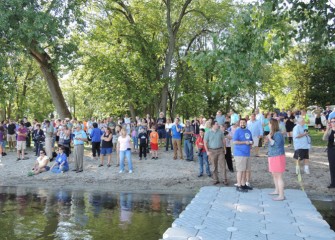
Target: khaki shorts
242, 163
21, 145
11, 137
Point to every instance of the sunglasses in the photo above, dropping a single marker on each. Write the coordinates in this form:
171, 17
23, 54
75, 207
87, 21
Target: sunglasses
332, 121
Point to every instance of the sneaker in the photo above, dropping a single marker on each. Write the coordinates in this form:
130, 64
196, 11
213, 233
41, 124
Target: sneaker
306, 170
121, 171
241, 189
18, 159
247, 187
130, 171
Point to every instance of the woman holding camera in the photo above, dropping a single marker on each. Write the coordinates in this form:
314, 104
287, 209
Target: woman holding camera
202, 154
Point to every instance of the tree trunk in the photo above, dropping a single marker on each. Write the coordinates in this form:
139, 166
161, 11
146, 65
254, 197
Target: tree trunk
172, 31
50, 76
132, 111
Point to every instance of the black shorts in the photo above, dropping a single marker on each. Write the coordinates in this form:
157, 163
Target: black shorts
318, 121
266, 133
301, 154
161, 133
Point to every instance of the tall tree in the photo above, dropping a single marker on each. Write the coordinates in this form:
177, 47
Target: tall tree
42, 29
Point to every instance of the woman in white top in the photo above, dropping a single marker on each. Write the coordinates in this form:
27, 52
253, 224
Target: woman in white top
168, 135
124, 146
41, 164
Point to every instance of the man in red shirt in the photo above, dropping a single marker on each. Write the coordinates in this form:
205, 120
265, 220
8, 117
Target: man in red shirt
21, 141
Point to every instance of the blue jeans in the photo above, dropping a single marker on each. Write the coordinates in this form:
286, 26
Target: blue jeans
188, 149
135, 141
58, 169
168, 141
203, 158
123, 154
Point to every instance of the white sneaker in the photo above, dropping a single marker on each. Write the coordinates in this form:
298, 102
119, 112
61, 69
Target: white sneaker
121, 171
247, 183
130, 171
306, 170
235, 184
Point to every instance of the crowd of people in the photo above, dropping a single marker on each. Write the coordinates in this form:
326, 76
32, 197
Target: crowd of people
216, 141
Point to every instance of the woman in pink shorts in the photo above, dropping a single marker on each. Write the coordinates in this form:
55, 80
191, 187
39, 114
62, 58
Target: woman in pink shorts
276, 158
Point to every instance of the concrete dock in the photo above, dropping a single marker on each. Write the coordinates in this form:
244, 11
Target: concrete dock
220, 213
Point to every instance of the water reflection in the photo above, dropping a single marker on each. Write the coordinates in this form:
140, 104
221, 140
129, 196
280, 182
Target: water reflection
28, 213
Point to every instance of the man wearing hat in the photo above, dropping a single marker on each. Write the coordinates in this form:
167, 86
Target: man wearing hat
79, 139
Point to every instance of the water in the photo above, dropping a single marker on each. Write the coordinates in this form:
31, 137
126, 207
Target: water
66, 214
327, 210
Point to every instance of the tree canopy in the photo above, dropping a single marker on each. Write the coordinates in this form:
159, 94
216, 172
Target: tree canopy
188, 57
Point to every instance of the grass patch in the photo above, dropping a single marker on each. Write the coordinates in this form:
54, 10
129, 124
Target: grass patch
316, 137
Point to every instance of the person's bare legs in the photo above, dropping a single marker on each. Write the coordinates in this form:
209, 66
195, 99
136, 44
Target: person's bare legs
280, 186
275, 192
109, 159
102, 159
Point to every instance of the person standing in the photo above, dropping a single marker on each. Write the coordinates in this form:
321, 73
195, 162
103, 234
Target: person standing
48, 132
234, 118
202, 154
143, 137
124, 145
276, 159
11, 136
106, 147
96, 141
29, 128
161, 121
168, 140
256, 129
154, 136
329, 136
188, 144
289, 125
38, 137
242, 144
215, 147
79, 139
301, 145
176, 131
21, 141
220, 118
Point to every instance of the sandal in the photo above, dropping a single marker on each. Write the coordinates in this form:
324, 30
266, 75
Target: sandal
108, 165
100, 165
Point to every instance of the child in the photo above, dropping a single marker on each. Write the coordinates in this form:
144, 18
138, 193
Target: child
143, 137
154, 143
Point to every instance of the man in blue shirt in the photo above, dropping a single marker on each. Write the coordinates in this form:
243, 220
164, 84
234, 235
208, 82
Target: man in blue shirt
243, 142
176, 131
256, 129
78, 141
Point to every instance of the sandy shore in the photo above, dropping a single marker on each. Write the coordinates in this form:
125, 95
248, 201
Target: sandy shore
163, 175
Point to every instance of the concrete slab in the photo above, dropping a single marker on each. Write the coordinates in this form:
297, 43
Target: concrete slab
223, 213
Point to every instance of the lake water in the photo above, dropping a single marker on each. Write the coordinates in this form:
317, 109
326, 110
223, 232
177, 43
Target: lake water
33, 213
28, 213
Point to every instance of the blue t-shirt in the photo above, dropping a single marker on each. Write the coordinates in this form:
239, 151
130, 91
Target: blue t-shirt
96, 135
61, 158
242, 150
175, 134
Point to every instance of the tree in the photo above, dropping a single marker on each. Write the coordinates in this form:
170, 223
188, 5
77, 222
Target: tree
42, 29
